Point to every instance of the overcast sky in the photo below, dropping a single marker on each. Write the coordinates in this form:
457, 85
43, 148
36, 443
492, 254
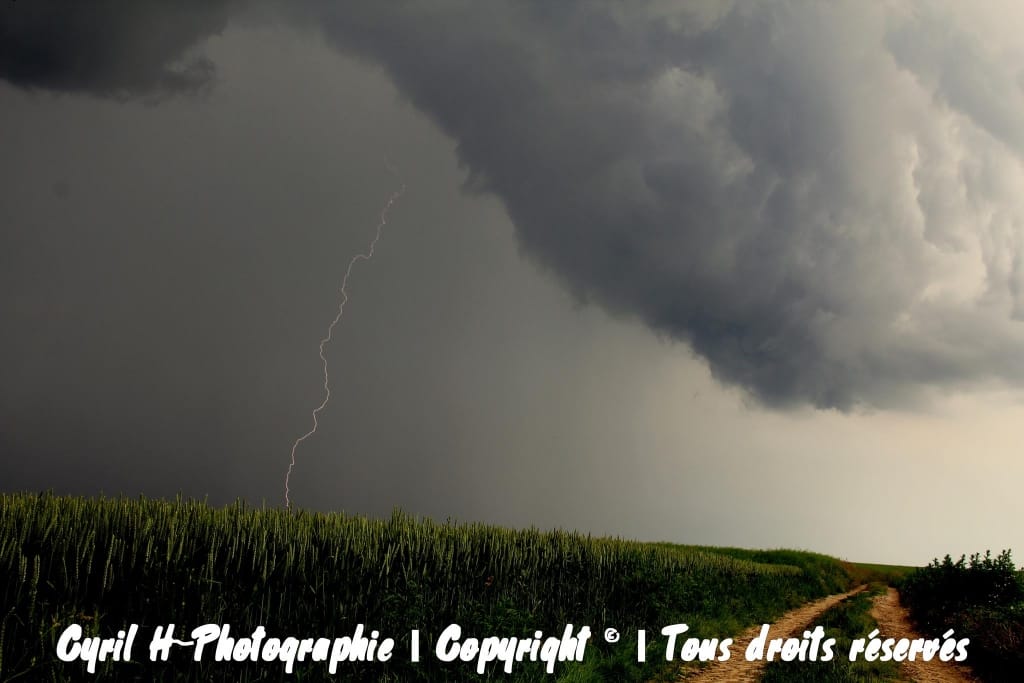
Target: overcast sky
725, 274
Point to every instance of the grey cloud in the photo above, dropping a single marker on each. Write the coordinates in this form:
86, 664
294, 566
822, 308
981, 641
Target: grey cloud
109, 48
821, 200
818, 199
964, 71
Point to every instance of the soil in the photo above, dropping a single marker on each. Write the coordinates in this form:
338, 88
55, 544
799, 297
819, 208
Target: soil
893, 622
737, 669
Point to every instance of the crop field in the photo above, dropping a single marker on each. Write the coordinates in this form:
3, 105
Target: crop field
107, 563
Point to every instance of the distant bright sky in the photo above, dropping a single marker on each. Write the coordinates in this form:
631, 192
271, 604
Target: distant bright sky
730, 275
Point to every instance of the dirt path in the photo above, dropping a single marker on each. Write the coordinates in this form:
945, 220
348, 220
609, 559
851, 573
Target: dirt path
737, 669
893, 623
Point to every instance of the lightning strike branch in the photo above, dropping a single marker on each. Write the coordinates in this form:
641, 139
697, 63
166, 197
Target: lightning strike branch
337, 318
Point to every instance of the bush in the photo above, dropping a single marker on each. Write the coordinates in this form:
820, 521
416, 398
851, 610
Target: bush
982, 599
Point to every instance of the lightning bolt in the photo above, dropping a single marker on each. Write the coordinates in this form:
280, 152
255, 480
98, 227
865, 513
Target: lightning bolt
337, 318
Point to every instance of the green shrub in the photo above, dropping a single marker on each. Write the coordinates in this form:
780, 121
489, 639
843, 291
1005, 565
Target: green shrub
981, 598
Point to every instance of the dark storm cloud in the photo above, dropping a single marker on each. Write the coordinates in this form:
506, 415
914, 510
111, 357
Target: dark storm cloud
107, 47
822, 200
818, 199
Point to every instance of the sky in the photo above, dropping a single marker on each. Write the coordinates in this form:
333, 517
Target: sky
703, 272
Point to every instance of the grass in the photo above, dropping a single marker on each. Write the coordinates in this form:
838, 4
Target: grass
890, 574
107, 563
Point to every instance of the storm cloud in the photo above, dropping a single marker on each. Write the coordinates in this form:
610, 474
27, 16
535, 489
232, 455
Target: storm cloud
823, 201
109, 48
